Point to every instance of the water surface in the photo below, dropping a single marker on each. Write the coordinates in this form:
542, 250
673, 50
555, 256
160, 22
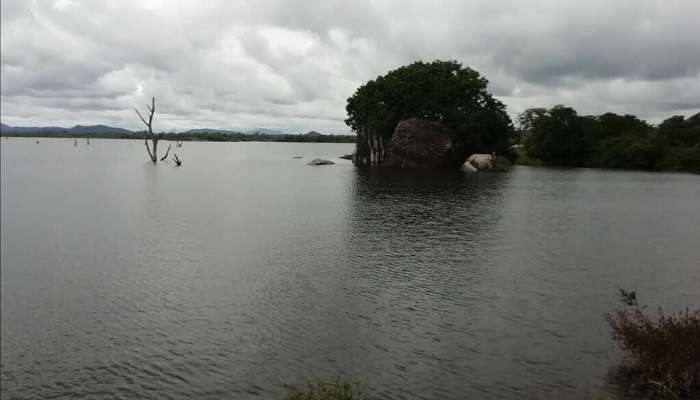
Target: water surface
245, 269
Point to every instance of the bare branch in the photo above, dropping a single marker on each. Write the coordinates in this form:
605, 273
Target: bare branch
153, 155
152, 109
177, 160
141, 117
166, 152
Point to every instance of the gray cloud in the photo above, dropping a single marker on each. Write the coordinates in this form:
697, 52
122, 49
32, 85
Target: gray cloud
292, 65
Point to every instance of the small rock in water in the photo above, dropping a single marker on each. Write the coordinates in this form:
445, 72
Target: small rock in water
346, 157
297, 157
320, 161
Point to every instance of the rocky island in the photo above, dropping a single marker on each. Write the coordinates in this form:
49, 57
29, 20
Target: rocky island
427, 115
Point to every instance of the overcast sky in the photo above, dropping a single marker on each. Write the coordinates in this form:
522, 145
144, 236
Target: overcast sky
292, 65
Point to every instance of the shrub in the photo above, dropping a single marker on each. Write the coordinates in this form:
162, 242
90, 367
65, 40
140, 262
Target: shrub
336, 389
662, 352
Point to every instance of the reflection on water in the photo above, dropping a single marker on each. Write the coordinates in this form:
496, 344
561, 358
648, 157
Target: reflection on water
246, 269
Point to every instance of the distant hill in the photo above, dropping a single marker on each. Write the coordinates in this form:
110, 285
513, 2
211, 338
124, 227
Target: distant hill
98, 129
78, 130
265, 131
207, 130
261, 131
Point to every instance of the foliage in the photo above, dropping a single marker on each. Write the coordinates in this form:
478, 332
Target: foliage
559, 136
337, 389
441, 91
522, 158
663, 353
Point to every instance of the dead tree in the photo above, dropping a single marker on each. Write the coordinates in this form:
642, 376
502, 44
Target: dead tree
149, 133
177, 160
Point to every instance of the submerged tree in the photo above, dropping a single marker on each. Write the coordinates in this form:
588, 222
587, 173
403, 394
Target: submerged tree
439, 91
154, 138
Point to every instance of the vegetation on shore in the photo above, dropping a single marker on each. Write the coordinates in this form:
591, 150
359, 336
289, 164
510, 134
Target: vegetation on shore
458, 98
560, 137
662, 353
206, 135
310, 137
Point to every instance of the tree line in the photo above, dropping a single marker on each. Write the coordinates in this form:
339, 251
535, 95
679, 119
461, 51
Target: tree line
210, 136
559, 136
310, 137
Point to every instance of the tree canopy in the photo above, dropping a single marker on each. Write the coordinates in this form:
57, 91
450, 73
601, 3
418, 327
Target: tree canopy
559, 136
441, 91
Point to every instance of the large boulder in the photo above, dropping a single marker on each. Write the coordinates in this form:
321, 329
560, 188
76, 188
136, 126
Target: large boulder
481, 161
419, 143
486, 162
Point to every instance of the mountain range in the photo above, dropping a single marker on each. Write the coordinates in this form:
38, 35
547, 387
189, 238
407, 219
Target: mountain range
103, 130
76, 130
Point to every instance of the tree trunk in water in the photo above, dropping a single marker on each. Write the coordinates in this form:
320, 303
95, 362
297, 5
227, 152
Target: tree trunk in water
155, 150
153, 155
359, 157
369, 149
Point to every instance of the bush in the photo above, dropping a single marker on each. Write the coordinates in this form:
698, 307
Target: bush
337, 389
662, 353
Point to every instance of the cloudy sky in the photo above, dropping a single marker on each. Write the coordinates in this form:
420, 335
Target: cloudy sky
291, 65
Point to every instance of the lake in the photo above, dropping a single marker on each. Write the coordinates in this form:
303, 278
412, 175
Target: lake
246, 269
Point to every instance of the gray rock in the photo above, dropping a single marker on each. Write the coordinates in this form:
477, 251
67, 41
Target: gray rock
320, 161
486, 162
468, 167
481, 161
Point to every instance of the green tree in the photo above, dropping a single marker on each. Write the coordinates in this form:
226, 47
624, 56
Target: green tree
557, 137
441, 91
526, 119
681, 138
